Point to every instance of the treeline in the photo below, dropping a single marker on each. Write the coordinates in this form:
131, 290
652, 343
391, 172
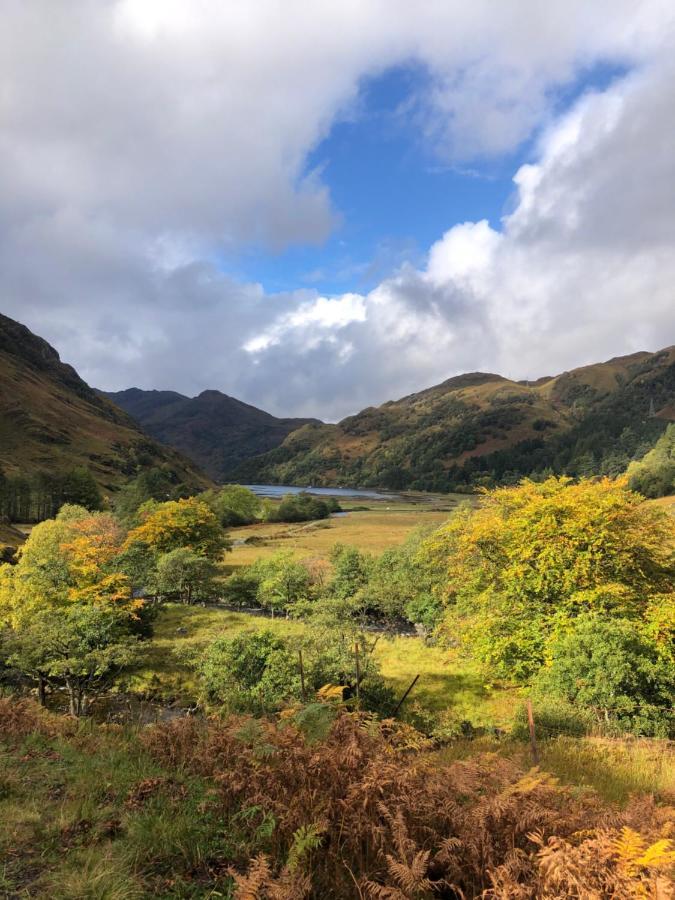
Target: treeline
40, 496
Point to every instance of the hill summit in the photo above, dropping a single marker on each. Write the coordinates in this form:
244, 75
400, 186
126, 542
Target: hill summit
218, 432
481, 428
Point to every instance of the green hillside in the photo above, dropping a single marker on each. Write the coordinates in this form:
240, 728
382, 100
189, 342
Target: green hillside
52, 423
480, 428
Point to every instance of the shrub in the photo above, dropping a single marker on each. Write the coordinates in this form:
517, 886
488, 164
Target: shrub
608, 667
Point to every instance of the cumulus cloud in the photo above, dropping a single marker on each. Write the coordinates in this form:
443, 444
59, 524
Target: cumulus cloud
143, 142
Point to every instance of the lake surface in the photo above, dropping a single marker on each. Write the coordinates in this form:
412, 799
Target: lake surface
278, 490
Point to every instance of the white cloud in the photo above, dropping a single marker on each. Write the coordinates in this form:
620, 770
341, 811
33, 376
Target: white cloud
141, 141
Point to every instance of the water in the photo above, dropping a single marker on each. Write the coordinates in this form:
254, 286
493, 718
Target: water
278, 490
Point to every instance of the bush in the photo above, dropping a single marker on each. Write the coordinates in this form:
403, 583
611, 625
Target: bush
552, 718
260, 673
607, 667
302, 507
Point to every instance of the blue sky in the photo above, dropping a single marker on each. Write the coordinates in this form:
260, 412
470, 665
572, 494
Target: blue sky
393, 195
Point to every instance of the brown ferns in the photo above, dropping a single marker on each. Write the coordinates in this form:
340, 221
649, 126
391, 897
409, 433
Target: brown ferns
356, 817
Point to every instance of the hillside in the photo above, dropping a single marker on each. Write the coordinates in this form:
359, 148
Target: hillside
52, 422
216, 431
477, 428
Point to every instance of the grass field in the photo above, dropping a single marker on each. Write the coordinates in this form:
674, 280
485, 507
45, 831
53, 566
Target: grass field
373, 530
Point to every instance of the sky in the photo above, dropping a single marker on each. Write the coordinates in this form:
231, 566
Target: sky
320, 206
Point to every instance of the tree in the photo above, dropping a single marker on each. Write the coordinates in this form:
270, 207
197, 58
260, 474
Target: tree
179, 523
250, 673
79, 487
183, 575
654, 474
283, 582
533, 557
401, 584
68, 614
259, 673
151, 484
302, 507
234, 505
82, 647
609, 666
351, 570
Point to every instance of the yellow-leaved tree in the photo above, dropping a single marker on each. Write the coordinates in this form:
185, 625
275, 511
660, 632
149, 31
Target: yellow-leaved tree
68, 616
520, 568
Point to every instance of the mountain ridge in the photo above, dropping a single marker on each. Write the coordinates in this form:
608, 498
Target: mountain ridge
217, 431
481, 428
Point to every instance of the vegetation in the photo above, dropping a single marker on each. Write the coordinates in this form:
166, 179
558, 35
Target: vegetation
60, 441
320, 804
531, 559
483, 430
216, 431
654, 474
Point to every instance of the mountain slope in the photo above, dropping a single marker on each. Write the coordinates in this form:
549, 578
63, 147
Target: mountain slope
216, 431
51, 421
479, 428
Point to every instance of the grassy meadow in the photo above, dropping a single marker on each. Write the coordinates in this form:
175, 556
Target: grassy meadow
373, 529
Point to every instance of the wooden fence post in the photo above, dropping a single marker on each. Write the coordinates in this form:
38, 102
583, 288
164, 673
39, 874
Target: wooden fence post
533, 739
358, 675
302, 676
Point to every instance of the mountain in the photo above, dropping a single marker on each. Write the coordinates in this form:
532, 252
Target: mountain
482, 428
216, 431
52, 422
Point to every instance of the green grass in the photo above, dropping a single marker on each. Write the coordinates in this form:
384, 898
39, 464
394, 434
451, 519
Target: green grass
73, 830
617, 769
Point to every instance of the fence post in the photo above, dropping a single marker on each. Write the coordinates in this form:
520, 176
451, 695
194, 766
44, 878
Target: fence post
533, 739
302, 676
358, 675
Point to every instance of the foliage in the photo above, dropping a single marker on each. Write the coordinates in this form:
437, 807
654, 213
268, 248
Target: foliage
533, 557
250, 673
392, 823
234, 505
179, 523
654, 474
241, 589
40, 496
608, 667
282, 582
152, 484
302, 507
82, 647
67, 559
261, 672
182, 574
176, 811
351, 571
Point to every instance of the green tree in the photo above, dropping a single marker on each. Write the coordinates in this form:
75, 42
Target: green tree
81, 647
610, 667
184, 575
351, 571
302, 507
80, 488
654, 474
234, 505
283, 582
